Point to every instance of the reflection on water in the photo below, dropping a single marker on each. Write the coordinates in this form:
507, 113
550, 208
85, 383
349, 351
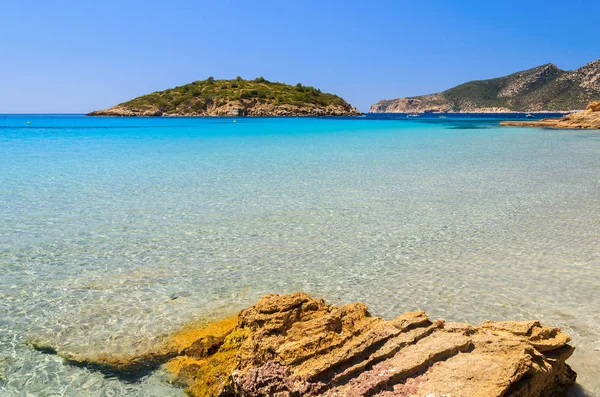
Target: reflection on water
112, 237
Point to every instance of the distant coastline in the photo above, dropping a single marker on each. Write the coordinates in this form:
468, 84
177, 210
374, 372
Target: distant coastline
484, 111
534, 90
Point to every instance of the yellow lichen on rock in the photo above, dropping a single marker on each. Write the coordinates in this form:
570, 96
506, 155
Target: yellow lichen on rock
207, 356
201, 335
209, 374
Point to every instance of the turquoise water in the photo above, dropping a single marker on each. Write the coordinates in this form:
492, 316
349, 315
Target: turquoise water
115, 230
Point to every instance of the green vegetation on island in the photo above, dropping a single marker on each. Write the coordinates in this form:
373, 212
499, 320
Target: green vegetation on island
236, 97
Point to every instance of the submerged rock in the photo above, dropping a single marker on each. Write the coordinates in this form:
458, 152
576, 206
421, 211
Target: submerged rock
294, 345
588, 119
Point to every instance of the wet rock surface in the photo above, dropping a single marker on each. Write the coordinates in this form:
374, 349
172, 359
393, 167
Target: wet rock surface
294, 345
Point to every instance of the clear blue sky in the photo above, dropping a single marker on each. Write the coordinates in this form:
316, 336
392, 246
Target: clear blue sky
77, 56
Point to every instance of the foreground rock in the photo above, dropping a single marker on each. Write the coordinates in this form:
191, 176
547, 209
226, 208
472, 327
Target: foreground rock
588, 119
294, 345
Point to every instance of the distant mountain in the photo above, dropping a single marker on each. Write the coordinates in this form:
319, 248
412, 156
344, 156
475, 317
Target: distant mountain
545, 88
238, 97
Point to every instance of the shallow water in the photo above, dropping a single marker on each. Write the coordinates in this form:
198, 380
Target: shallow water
114, 230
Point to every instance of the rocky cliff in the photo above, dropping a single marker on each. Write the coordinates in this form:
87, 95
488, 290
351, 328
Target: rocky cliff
588, 119
544, 88
238, 97
294, 345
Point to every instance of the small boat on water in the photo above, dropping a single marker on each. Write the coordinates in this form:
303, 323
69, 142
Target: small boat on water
529, 116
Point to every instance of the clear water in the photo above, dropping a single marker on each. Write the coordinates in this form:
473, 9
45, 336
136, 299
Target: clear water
103, 221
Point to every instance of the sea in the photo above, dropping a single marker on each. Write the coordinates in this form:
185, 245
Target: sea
116, 231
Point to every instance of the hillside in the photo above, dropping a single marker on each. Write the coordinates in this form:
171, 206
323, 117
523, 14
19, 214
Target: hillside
544, 88
238, 97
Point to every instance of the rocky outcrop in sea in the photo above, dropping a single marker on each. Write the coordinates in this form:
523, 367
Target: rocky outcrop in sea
295, 345
588, 119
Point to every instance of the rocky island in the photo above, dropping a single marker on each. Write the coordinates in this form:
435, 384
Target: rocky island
588, 119
295, 345
238, 97
545, 88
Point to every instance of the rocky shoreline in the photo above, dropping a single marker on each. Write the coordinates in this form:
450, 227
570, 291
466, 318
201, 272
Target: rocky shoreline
295, 345
587, 119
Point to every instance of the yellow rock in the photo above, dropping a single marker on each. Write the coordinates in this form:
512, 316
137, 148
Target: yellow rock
593, 106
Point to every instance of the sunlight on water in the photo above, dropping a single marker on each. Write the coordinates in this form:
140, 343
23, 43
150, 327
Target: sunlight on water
114, 232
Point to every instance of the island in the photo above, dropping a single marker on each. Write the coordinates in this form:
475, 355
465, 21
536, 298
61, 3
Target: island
545, 88
588, 119
237, 97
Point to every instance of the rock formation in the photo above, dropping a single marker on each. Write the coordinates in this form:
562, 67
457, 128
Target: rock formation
544, 88
294, 345
588, 119
593, 106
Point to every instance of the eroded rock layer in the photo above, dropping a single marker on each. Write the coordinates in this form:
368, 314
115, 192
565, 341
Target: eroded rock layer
294, 345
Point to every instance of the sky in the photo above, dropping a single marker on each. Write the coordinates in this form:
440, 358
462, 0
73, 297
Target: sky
78, 56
